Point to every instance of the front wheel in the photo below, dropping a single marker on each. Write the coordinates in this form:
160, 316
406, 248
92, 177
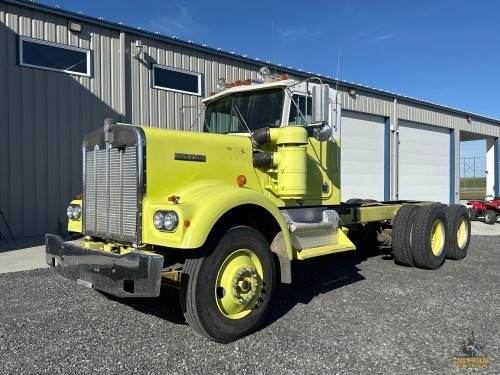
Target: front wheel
472, 213
490, 217
226, 291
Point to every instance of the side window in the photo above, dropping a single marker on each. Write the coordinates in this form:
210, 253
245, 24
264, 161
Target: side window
57, 57
298, 115
178, 80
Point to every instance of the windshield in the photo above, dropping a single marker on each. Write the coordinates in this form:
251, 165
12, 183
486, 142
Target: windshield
244, 112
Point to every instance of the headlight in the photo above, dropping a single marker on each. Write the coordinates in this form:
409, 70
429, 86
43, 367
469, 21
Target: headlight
167, 220
158, 220
171, 220
73, 211
76, 212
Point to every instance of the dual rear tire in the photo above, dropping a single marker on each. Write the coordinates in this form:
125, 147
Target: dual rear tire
424, 236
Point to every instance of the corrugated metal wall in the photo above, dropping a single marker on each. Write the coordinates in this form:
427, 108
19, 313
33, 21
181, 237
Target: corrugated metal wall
44, 115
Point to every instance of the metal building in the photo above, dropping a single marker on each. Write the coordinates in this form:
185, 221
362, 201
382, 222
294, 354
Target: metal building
63, 73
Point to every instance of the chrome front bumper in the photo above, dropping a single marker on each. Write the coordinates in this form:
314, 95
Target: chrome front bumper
135, 274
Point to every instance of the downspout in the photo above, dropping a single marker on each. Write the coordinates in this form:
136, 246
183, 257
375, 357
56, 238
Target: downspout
395, 151
122, 88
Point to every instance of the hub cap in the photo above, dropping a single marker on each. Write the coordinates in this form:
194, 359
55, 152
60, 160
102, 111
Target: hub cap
239, 284
462, 233
437, 237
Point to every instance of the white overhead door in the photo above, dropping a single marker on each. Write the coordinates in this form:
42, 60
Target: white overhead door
424, 162
362, 156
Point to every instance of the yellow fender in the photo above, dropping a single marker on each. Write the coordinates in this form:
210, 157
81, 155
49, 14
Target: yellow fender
76, 225
200, 207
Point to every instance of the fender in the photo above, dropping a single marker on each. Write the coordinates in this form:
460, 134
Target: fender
200, 207
75, 226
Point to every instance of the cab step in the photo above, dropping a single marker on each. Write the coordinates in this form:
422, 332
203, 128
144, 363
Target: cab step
315, 232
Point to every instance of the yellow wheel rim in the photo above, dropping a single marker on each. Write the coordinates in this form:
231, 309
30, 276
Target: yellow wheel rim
239, 284
462, 233
437, 237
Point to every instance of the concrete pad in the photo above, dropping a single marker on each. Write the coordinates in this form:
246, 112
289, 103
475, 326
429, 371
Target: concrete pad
28, 254
23, 259
480, 228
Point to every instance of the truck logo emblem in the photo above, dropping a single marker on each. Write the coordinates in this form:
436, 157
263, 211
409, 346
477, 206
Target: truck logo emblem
190, 157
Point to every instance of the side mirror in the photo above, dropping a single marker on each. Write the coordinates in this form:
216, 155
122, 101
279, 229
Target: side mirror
322, 133
320, 105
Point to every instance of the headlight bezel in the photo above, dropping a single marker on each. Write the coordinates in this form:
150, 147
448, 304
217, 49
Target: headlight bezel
74, 212
166, 220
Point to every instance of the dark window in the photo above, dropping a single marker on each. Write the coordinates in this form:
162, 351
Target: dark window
300, 112
51, 56
176, 80
298, 115
244, 112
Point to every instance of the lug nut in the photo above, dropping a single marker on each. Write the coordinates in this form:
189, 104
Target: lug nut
236, 295
241, 300
237, 276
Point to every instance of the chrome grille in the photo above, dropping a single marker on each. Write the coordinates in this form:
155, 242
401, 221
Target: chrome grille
111, 193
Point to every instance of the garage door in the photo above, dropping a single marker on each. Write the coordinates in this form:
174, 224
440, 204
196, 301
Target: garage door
362, 157
424, 162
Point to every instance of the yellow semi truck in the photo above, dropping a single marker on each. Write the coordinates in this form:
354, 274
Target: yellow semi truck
221, 214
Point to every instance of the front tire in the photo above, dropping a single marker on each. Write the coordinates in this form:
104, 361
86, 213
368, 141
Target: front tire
490, 217
472, 213
226, 292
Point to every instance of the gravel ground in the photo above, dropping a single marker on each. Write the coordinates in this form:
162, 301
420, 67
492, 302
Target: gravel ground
344, 314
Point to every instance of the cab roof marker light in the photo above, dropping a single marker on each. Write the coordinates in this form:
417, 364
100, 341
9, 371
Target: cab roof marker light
221, 85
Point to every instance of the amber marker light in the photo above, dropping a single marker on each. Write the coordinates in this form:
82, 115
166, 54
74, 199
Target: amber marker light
247, 82
174, 199
241, 180
284, 77
79, 196
187, 223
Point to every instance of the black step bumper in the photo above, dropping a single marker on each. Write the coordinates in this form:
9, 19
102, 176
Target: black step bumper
135, 274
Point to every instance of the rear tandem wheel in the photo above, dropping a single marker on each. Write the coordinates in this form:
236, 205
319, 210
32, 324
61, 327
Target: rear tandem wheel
429, 239
402, 234
459, 231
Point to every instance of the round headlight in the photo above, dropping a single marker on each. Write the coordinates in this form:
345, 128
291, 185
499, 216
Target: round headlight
69, 212
171, 220
158, 220
76, 212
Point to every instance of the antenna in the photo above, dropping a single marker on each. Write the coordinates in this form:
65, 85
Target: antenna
274, 47
338, 70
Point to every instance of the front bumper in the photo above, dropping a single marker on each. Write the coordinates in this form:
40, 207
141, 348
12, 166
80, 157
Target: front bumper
135, 274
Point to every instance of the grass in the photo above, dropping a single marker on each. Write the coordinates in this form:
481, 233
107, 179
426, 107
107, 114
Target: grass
473, 183
472, 188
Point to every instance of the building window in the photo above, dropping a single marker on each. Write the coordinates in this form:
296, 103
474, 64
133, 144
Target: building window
35, 53
176, 80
